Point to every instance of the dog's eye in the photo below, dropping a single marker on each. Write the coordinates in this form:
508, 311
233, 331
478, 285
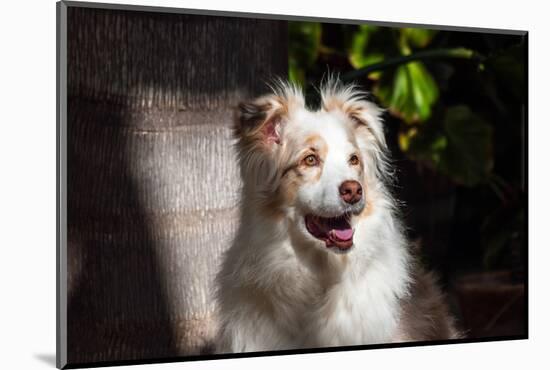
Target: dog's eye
354, 160
311, 160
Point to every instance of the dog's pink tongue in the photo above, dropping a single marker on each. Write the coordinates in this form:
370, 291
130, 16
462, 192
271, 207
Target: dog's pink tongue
345, 234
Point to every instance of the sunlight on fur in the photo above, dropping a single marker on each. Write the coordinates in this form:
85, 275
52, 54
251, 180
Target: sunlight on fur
320, 258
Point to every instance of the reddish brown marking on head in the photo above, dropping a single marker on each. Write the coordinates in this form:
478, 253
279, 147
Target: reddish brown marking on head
369, 207
317, 143
297, 172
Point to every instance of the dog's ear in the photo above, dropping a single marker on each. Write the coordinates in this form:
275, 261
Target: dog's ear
352, 102
367, 116
260, 121
259, 131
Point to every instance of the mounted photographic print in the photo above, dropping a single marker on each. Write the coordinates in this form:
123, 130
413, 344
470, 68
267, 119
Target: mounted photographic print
235, 184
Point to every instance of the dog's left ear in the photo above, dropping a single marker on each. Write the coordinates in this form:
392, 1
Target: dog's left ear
364, 114
351, 101
367, 116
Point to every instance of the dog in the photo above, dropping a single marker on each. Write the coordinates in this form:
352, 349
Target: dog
320, 258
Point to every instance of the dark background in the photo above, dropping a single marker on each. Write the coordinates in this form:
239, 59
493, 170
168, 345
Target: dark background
153, 184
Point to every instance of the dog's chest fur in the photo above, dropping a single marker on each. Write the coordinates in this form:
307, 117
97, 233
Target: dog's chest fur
284, 296
360, 308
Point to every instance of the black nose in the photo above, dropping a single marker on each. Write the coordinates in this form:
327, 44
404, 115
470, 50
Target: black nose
351, 191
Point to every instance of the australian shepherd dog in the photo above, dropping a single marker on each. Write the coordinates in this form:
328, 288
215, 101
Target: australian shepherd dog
320, 258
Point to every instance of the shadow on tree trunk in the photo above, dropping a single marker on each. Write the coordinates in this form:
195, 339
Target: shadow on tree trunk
149, 115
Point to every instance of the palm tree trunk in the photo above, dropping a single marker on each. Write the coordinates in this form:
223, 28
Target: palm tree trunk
152, 180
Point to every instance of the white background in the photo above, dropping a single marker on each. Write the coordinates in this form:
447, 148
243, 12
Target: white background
27, 182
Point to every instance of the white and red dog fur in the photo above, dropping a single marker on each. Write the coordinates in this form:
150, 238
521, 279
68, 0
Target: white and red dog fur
320, 258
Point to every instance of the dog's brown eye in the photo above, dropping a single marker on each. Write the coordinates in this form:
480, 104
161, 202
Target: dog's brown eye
311, 160
354, 160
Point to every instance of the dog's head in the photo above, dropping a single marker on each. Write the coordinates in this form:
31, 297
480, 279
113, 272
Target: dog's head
320, 170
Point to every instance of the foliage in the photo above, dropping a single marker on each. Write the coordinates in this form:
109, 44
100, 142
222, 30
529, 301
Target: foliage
458, 148
304, 48
456, 100
409, 91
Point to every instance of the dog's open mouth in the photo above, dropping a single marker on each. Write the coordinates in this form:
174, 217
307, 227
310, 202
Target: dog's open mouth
334, 231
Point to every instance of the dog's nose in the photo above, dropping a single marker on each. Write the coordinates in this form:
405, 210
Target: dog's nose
351, 191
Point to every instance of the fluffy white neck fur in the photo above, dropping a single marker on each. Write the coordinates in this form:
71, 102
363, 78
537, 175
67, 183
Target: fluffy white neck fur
318, 297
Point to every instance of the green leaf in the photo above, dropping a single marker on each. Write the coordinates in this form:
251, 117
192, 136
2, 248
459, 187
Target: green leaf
468, 159
296, 74
409, 92
303, 49
358, 54
371, 59
418, 37
460, 147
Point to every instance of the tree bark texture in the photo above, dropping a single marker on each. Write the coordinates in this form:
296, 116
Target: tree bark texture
152, 177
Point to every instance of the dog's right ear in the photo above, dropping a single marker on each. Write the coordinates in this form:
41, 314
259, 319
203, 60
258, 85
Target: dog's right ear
260, 122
